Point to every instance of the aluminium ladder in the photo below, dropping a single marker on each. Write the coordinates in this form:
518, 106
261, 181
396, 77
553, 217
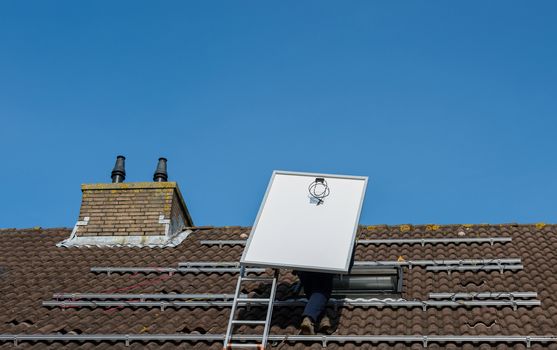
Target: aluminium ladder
242, 300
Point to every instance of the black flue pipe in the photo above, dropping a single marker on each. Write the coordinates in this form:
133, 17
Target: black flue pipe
119, 171
160, 174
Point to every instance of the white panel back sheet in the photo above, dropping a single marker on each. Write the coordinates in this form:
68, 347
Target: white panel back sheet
292, 231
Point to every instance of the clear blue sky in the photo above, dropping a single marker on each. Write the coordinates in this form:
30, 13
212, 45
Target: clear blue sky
449, 107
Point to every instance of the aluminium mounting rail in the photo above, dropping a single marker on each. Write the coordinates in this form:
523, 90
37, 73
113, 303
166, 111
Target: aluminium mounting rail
424, 241
173, 270
527, 340
390, 263
377, 303
387, 241
141, 296
234, 267
210, 264
441, 262
481, 295
149, 304
497, 264
223, 242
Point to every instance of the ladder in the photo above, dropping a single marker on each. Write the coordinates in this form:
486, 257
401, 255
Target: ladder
242, 300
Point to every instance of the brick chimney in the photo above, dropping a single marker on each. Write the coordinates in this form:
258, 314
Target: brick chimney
131, 214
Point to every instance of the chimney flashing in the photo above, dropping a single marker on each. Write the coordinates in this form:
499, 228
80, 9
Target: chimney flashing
125, 241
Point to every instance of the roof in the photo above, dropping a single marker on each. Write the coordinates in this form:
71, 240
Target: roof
33, 269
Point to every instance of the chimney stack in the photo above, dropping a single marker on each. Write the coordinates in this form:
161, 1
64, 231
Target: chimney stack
119, 172
160, 173
145, 214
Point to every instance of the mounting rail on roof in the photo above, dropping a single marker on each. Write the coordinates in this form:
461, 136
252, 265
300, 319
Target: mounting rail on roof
140, 296
527, 340
173, 270
482, 295
440, 262
499, 264
422, 241
209, 264
379, 303
447, 240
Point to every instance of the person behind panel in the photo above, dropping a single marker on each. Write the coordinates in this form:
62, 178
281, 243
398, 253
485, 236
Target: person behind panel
318, 287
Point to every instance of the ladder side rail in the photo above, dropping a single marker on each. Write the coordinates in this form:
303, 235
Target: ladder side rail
269, 316
233, 310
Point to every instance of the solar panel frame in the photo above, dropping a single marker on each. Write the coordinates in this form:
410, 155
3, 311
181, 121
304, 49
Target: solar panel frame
246, 258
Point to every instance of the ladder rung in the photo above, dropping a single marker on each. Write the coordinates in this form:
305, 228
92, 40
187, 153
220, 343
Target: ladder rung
248, 322
253, 300
240, 345
257, 278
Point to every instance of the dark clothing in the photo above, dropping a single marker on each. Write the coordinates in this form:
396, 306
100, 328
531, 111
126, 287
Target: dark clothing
318, 287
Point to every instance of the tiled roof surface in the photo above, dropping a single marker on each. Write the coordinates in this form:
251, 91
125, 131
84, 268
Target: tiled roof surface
32, 269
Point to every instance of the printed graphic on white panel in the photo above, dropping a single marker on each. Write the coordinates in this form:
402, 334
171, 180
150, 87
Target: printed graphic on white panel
307, 222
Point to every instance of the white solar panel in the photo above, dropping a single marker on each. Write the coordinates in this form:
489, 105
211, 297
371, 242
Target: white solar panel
295, 230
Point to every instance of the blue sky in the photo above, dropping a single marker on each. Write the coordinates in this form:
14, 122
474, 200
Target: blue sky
448, 107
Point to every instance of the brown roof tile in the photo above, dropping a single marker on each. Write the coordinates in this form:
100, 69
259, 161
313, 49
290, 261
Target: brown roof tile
32, 269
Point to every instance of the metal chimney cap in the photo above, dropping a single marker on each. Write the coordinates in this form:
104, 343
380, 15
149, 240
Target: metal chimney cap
119, 172
161, 174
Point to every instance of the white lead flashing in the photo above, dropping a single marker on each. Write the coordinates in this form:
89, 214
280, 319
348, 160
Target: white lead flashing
159, 241
83, 222
125, 241
166, 223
